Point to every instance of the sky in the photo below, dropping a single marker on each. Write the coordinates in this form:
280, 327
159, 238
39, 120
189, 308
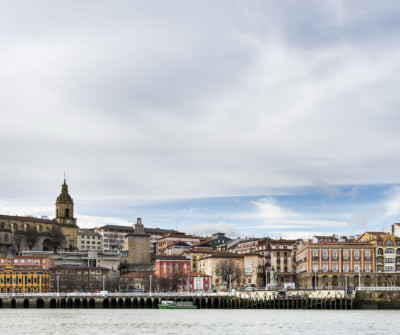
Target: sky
255, 118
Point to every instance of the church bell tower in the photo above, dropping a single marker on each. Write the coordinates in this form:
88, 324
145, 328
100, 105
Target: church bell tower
65, 207
65, 216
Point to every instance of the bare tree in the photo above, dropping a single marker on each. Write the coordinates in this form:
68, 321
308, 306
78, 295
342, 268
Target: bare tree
31, 236
57, 238
227, 269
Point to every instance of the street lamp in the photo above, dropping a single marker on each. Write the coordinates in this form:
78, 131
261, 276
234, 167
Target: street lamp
150, 285
266, 278
230, 282
359, 278
315, 280
345, 286
188, 283
58, 285
104, 283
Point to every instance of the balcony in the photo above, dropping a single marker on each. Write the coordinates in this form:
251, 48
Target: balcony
334, 258
315, 257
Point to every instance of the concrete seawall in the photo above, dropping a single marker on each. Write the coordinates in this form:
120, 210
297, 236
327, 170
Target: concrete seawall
377, 299
203, 302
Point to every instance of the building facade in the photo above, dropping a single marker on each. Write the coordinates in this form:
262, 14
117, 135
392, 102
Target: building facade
79, 279
332, 264
31, 233
219, 266
199, 282
89, 241
387, 257
24, 278
138, 246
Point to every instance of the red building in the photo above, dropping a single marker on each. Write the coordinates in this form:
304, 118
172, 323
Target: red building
29, 262
199, 281
169, 266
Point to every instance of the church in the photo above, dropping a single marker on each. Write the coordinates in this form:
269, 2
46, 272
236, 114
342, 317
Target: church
41, 234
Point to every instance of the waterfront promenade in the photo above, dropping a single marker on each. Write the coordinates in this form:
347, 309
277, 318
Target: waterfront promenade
239, 300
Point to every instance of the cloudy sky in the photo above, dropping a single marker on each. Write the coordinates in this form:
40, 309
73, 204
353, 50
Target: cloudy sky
273, 118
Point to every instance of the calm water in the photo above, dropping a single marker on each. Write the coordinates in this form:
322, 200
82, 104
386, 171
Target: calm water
196, 322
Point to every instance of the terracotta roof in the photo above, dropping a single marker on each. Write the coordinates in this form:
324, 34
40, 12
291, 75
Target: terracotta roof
198, 274
224, 255
376, 233
172, 257
201, 250
179, 244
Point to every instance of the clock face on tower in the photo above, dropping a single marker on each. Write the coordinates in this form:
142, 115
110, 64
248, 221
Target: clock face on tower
67, 221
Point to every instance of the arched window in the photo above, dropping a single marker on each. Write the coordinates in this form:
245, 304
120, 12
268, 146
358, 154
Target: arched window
389, 242
398, 251
67, 213
389, 251
2, 225
380, 251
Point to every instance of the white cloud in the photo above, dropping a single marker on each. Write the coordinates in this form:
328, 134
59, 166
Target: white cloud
275, 217
206, 229
392, 204
86, 221
328, 189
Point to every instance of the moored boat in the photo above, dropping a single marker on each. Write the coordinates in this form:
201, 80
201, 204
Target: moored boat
169, 304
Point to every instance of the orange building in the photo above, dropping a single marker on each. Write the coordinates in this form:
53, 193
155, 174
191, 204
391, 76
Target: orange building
330, 264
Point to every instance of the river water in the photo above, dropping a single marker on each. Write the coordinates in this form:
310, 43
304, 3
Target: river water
153, 321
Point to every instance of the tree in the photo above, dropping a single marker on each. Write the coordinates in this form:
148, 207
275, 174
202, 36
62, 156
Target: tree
31, 236
57, 238
228, 270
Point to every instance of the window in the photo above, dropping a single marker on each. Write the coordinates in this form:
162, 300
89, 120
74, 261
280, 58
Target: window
315, 267
356, 267
380, 251
389, 242
325, 254
346, 267
356, 255
325, 267
367, 254
335, 267
345, 255
367, 267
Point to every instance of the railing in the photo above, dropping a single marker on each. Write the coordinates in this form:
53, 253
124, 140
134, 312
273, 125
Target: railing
116, 294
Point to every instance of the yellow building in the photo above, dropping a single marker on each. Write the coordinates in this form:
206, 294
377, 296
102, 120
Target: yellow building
23, 280
387, 257
223, 267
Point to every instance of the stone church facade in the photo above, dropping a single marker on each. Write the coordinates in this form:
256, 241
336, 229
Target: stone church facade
31, 233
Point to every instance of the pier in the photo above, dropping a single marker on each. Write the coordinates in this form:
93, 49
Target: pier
151, 301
